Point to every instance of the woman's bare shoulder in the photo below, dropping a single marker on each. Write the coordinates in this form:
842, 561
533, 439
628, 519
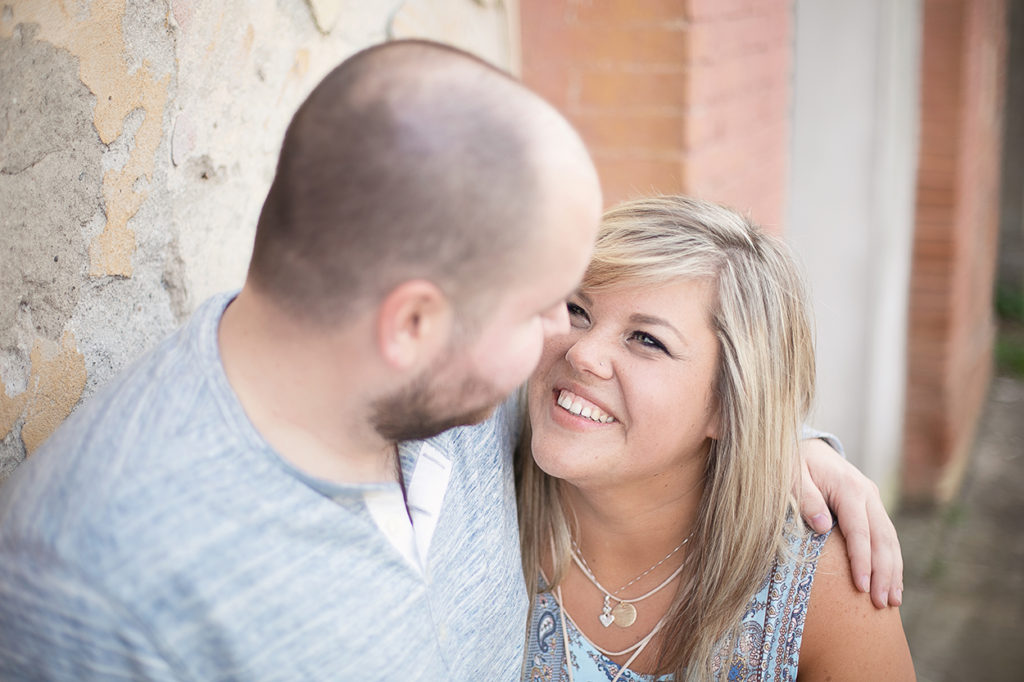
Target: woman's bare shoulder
845, 637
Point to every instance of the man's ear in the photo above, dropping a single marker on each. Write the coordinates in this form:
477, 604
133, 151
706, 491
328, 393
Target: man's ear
414, 323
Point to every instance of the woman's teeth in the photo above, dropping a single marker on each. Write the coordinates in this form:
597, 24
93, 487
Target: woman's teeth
577, 405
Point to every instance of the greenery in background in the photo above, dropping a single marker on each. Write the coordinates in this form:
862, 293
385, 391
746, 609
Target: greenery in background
1009, 304
1010, 342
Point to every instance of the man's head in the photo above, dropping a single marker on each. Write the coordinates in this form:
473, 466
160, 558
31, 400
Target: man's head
422, 184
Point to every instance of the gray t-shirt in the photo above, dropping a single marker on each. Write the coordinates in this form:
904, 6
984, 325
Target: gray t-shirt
156, 535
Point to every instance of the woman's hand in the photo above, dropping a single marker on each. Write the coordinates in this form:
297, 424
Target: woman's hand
829, 481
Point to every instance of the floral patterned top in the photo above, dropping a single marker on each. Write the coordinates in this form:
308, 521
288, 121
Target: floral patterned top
767, 649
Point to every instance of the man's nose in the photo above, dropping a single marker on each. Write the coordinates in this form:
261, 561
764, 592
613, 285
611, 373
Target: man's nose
555, 320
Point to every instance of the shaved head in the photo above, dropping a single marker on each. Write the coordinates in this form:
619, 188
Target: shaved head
409, 160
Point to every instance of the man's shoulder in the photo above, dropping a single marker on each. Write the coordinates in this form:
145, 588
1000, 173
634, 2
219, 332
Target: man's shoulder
132, 522
125, 449
92, 485
160, 390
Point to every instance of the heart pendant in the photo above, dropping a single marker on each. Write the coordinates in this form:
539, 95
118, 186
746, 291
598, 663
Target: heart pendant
624, 614
606, 619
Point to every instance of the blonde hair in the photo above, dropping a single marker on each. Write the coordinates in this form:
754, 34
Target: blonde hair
764, 386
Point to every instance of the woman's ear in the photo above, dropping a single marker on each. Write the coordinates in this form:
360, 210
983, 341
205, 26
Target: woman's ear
414, 323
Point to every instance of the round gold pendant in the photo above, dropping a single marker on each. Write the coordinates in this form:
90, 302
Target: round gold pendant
625, 614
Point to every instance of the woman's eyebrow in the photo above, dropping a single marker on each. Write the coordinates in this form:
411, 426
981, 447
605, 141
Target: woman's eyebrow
642, 318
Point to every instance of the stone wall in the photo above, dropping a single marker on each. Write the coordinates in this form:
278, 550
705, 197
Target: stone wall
137, 141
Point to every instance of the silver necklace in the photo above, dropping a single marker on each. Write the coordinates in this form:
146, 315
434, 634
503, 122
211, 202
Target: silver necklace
623, 613
635, 650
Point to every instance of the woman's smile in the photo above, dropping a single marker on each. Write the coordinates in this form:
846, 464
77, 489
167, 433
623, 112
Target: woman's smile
627, 393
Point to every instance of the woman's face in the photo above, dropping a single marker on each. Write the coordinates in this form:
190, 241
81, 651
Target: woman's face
627, 395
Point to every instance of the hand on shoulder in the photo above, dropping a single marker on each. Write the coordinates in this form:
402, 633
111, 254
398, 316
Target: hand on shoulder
845, 637
828, 480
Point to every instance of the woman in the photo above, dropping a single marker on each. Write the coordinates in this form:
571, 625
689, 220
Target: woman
659, 535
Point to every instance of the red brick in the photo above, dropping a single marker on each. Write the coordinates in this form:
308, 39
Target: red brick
626, 12
939, 197
708, 9
699, 127
711, 83
716, 164
605, 130
622, 90
730, 37
926, 249
625, 177
951, 328
938, 162
620, 46
545, 53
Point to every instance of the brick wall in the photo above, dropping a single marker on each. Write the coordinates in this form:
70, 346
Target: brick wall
693, 96
951, 319
672, 95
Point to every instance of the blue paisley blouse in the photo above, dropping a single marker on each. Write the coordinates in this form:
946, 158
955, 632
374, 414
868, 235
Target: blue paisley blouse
767, 649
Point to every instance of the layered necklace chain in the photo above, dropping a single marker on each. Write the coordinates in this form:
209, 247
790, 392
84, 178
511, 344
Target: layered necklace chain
623, 613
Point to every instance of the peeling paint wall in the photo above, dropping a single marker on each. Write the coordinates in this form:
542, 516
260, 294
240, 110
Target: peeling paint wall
137, 141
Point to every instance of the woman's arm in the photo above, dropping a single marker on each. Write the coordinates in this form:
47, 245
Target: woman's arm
845, 637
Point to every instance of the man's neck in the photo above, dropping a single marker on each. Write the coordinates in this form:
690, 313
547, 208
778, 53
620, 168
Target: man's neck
290, 393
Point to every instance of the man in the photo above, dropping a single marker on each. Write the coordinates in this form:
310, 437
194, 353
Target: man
235, 505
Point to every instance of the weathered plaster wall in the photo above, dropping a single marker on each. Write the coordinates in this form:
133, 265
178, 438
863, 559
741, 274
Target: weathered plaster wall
137, 141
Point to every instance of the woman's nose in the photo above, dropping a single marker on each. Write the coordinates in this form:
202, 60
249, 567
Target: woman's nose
589, 355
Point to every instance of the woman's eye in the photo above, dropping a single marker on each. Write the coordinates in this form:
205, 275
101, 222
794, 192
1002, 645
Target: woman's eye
649, 341
576, 312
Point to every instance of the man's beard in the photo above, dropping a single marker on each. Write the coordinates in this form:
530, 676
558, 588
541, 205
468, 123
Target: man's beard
415, 412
